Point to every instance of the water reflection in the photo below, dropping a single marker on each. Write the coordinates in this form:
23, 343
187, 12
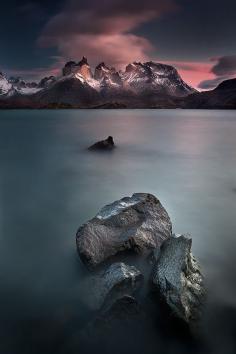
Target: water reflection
49, 185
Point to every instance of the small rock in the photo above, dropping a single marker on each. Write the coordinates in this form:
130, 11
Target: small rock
138, 223
178, 279
118, 280
107, 144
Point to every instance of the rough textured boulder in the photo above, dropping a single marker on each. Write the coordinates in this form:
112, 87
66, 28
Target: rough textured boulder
138, 223
178, 279
107, 144
118, 280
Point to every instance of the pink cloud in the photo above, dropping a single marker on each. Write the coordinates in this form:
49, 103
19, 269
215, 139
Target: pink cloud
103, 30
194, 72
117, 49
224, 68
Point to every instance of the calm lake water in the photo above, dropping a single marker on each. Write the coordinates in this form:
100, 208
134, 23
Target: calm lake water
50, 185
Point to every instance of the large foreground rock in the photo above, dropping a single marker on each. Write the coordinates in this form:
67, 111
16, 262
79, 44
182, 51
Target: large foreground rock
118, 280
138, 223
178, 279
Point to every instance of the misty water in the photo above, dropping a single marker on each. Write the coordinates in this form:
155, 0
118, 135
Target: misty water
50, 184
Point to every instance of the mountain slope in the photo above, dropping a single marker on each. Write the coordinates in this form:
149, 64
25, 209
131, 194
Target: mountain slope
222, 97
140, 85
5, 86
70, 91
155, 77
14, 86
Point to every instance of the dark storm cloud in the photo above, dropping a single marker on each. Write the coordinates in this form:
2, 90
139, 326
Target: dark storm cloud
224, 69
211, 84
104, 30
107, 16
225, 66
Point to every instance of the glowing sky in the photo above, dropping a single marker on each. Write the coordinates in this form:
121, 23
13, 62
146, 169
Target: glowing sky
197, 37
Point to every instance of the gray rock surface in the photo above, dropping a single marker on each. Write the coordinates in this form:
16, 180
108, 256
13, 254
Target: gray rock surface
118, 280
138, 223
178, 279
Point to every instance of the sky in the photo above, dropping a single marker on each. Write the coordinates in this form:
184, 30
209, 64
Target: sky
198, 37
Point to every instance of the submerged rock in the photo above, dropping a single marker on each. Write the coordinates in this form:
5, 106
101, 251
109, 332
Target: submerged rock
178, 279
107, 144
138, 223
118, 280
125, 309
116, 329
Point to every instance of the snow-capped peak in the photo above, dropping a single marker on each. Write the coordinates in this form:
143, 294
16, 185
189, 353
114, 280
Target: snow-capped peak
108, 77
151, 76
12, 86
81, 68
138, 79
5, 86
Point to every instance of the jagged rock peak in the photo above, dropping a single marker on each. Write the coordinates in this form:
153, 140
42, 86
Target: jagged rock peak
101, 65
68, 68
102, 71
5, 86
71, 62
131, 66
149, 65
47, 81
81, 68
107, 76
155, 77
84, 61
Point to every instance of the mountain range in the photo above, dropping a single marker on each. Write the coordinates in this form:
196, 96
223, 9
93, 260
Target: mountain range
140, 85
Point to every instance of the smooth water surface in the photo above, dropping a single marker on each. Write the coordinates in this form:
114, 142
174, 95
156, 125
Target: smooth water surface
50, 184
